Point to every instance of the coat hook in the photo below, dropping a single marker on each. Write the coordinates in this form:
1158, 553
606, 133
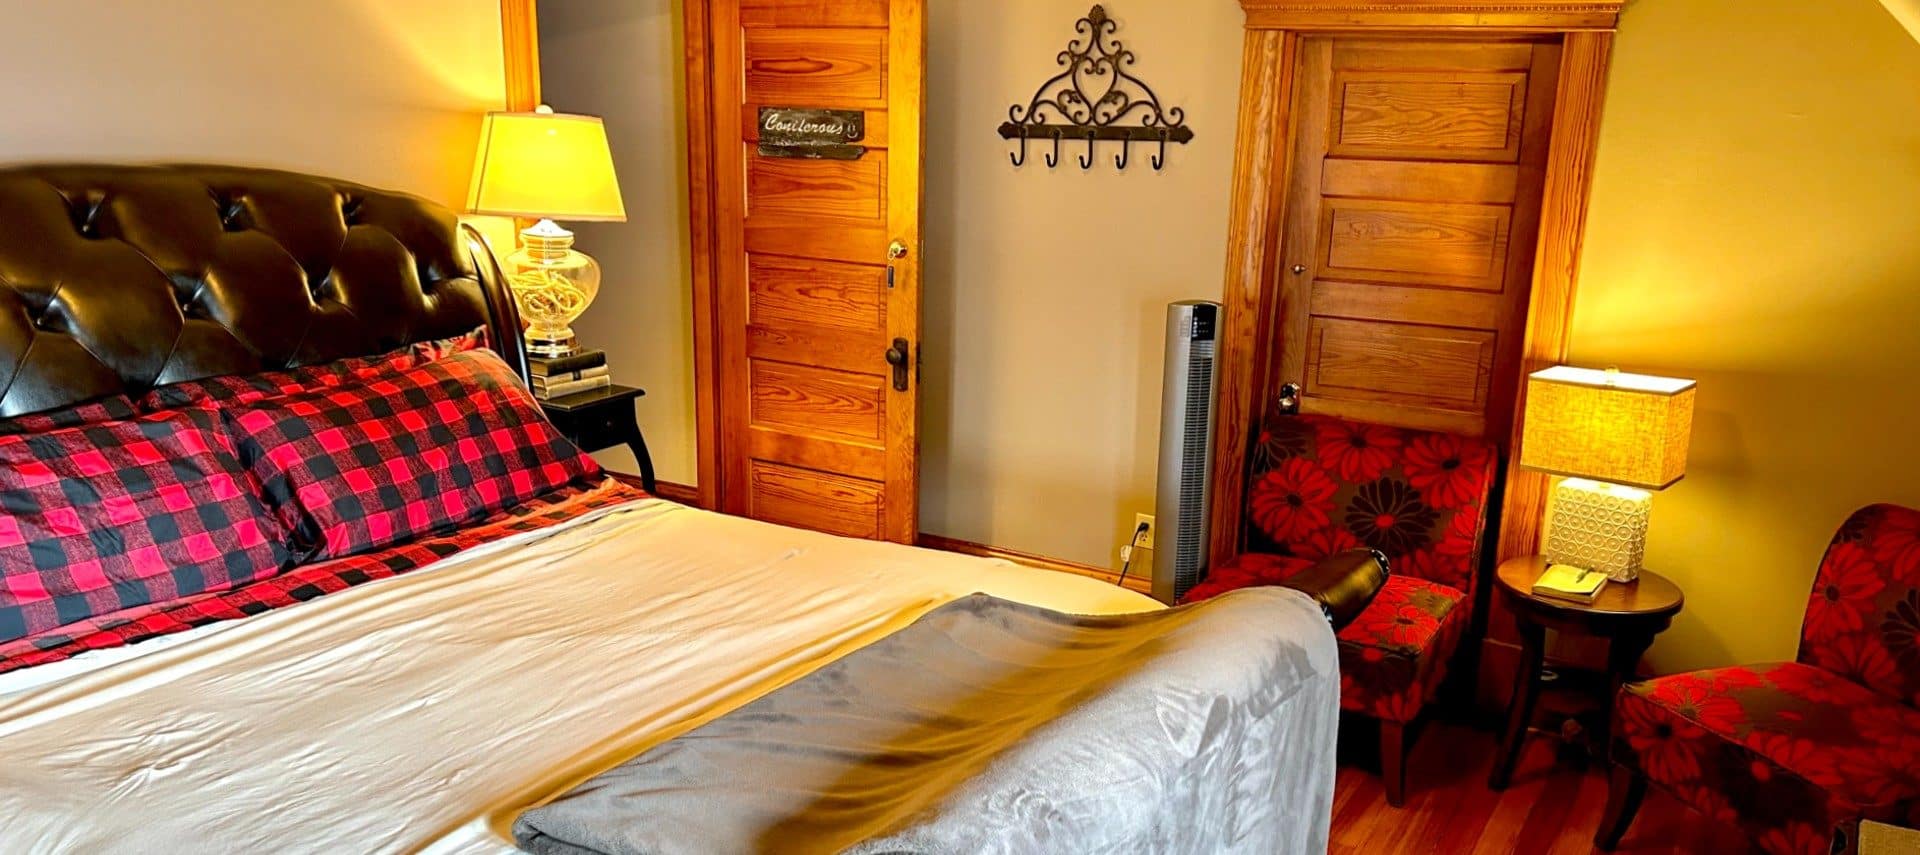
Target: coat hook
1053, 159
1021, 158
1160, 160
1086, 161
1126, 153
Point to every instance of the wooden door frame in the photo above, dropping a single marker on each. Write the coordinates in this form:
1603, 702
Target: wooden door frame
1260, 179
696, 44
520, 52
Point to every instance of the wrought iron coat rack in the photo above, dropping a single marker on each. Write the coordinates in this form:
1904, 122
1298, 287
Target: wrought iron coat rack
1079, 109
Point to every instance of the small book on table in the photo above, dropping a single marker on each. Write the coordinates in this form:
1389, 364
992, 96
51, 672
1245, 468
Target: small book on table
1573, 584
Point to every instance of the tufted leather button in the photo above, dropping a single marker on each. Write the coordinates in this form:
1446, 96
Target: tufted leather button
121, 300
231, 212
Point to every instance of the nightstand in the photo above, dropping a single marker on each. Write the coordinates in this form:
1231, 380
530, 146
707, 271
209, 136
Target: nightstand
1627, 615
601, 419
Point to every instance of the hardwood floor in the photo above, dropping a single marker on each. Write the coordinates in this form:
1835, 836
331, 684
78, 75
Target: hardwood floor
1551, 808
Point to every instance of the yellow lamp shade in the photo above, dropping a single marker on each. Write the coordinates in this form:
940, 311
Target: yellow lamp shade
1630, 429
545, 165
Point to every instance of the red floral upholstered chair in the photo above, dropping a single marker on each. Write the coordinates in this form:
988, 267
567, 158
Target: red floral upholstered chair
1796, 753
1320, 485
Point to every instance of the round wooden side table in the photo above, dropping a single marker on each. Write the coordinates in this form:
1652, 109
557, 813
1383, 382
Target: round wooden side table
1627, 615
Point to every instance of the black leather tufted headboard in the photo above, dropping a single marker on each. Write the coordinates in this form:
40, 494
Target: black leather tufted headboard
121, 278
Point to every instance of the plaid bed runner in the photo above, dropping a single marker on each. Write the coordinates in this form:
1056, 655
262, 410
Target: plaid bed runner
308, 582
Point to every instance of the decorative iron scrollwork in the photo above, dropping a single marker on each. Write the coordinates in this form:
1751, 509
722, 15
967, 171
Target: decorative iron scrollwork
1072, 105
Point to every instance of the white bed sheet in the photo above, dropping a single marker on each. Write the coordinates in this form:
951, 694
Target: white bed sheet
423, 712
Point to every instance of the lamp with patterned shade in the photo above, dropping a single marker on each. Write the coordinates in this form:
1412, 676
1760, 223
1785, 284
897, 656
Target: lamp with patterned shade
1614, 437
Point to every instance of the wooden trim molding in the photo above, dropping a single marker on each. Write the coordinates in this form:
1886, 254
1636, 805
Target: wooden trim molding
1556, 266
1140, 583
1259, 182
520, 46
696, 41
1486, 15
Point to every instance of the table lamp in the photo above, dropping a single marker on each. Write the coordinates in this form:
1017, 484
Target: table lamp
547, 166
1614, 437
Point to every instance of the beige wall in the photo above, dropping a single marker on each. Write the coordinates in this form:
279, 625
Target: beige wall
387, 92
1045, 291
1756, 224
620, 60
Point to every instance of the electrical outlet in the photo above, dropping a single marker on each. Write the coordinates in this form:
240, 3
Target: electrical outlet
1146, 539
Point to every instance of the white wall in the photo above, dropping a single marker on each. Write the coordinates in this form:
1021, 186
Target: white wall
1046, 291
385, 92
621, 60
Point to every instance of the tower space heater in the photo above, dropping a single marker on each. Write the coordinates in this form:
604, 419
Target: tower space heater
1186, 450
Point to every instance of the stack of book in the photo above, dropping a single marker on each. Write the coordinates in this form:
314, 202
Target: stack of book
560, 376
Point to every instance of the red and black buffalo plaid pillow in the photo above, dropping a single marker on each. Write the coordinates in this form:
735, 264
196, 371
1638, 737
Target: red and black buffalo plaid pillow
240, 389
108, 516
404, 453
101, 410
309, 580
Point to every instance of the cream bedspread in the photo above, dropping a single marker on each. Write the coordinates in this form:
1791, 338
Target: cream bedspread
422, 713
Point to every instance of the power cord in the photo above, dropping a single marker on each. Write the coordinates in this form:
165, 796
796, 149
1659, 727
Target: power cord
1126, 553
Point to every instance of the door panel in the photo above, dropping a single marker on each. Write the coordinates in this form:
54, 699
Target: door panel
816, 500
840, 189
843, 65
815, 432
1412, 218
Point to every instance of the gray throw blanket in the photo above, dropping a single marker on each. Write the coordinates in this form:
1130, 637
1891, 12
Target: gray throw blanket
991, 726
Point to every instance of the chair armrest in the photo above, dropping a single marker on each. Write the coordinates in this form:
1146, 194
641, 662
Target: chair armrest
1343, 584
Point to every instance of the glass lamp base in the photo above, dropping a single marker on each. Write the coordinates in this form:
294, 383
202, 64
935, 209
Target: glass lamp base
552, 343
1600, 527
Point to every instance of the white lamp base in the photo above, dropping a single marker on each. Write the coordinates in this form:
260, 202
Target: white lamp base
1601, 527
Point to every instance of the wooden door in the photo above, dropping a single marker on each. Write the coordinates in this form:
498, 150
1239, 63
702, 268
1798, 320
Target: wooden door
817, 266
1412, 218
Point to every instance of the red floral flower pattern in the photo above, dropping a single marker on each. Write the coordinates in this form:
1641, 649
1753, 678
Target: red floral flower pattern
1417, 496
1896, 543
1246, 571
1774, 746
1843, 599
1446, 469
1331, 540
1293, 500
1389, 516
1393, 657
1797, 752
1867, 595
1354, 451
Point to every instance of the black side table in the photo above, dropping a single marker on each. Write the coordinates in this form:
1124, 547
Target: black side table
1628, 616
603, 418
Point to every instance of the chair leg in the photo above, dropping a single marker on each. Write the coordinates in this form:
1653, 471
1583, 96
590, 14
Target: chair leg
1393, 761
1625, 789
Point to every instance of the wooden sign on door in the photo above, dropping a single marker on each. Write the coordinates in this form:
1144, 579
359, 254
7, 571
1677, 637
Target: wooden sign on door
811, 133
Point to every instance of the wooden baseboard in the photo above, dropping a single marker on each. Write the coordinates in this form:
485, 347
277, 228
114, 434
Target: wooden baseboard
1138, 583
664, 489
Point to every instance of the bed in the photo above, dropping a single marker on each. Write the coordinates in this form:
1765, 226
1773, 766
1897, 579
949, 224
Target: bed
419, 696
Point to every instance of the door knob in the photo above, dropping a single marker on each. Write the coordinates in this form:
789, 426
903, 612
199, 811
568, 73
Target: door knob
1289, 400
900, 357
897, 250
1299, 269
